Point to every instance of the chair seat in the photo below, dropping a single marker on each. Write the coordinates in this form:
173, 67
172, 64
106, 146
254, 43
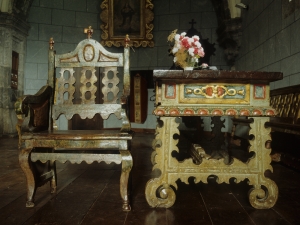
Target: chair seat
78, 135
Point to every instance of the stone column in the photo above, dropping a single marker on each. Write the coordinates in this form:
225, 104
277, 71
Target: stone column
13, 35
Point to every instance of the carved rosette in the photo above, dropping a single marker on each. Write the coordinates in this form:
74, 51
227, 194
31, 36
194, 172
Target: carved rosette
215, 111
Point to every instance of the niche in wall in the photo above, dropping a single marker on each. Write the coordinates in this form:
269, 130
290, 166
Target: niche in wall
14, 70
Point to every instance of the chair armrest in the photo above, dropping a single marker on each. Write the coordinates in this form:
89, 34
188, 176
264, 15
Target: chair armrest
33, 110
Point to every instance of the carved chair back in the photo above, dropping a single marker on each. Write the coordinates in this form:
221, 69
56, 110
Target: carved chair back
88, 56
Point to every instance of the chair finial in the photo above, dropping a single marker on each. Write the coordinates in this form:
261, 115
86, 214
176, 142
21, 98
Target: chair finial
51, 43
127, 41
89, 31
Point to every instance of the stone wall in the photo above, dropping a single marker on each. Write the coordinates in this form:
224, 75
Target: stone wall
12, 38
64, 20
271, 40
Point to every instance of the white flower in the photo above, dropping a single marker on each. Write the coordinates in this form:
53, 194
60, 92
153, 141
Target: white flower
190, 41
198, 44
175, 59
183, 34
177, 36
191, 51
174, 50
178, 45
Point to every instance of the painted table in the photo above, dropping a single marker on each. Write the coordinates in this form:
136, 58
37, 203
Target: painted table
212, 93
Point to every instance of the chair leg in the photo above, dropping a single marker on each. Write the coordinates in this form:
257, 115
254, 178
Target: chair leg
125, 174
25, 163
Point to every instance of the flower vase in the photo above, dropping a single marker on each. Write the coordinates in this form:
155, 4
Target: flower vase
188, 68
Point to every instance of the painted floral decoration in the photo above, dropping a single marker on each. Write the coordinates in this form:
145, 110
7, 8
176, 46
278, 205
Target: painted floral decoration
186, 50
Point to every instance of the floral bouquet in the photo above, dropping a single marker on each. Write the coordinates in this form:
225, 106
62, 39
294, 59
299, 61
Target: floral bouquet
186, 50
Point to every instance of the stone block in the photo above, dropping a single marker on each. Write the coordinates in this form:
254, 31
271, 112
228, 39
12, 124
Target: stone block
179, 7
93, 6
283, 44
63, 17
249, 61
31, 70
263, 28
42, 69
285, 82
37, 52
36, 3
168, 22
288, 21
1, 99
75, 5
295, 40
219, 57
33, 33
34, 84
258, 58
56, 4
209, 20
185, 20
149, 57
48, 31
161, 8
163, 59
73, 35
275, 67
62, 48
267, 3
134, 59
295, 79
290, 65
39, 15
269, 51
210, 34
161, 38
201, 6
274, 17
84, 19
258, 7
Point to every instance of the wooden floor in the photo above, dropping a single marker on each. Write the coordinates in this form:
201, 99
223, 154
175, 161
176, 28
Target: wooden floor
89, 194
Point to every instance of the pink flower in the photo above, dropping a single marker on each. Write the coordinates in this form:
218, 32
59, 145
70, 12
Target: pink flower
204, 65
196, 38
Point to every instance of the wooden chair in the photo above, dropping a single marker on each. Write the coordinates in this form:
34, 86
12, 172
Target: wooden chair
41, 141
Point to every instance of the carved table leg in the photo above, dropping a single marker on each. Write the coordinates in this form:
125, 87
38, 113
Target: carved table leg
159, 192
264, 194
25, 163
126, 168
53, 182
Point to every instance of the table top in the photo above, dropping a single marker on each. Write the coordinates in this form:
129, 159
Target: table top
217, 76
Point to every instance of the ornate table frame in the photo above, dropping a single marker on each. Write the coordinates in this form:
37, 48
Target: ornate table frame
212, 93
